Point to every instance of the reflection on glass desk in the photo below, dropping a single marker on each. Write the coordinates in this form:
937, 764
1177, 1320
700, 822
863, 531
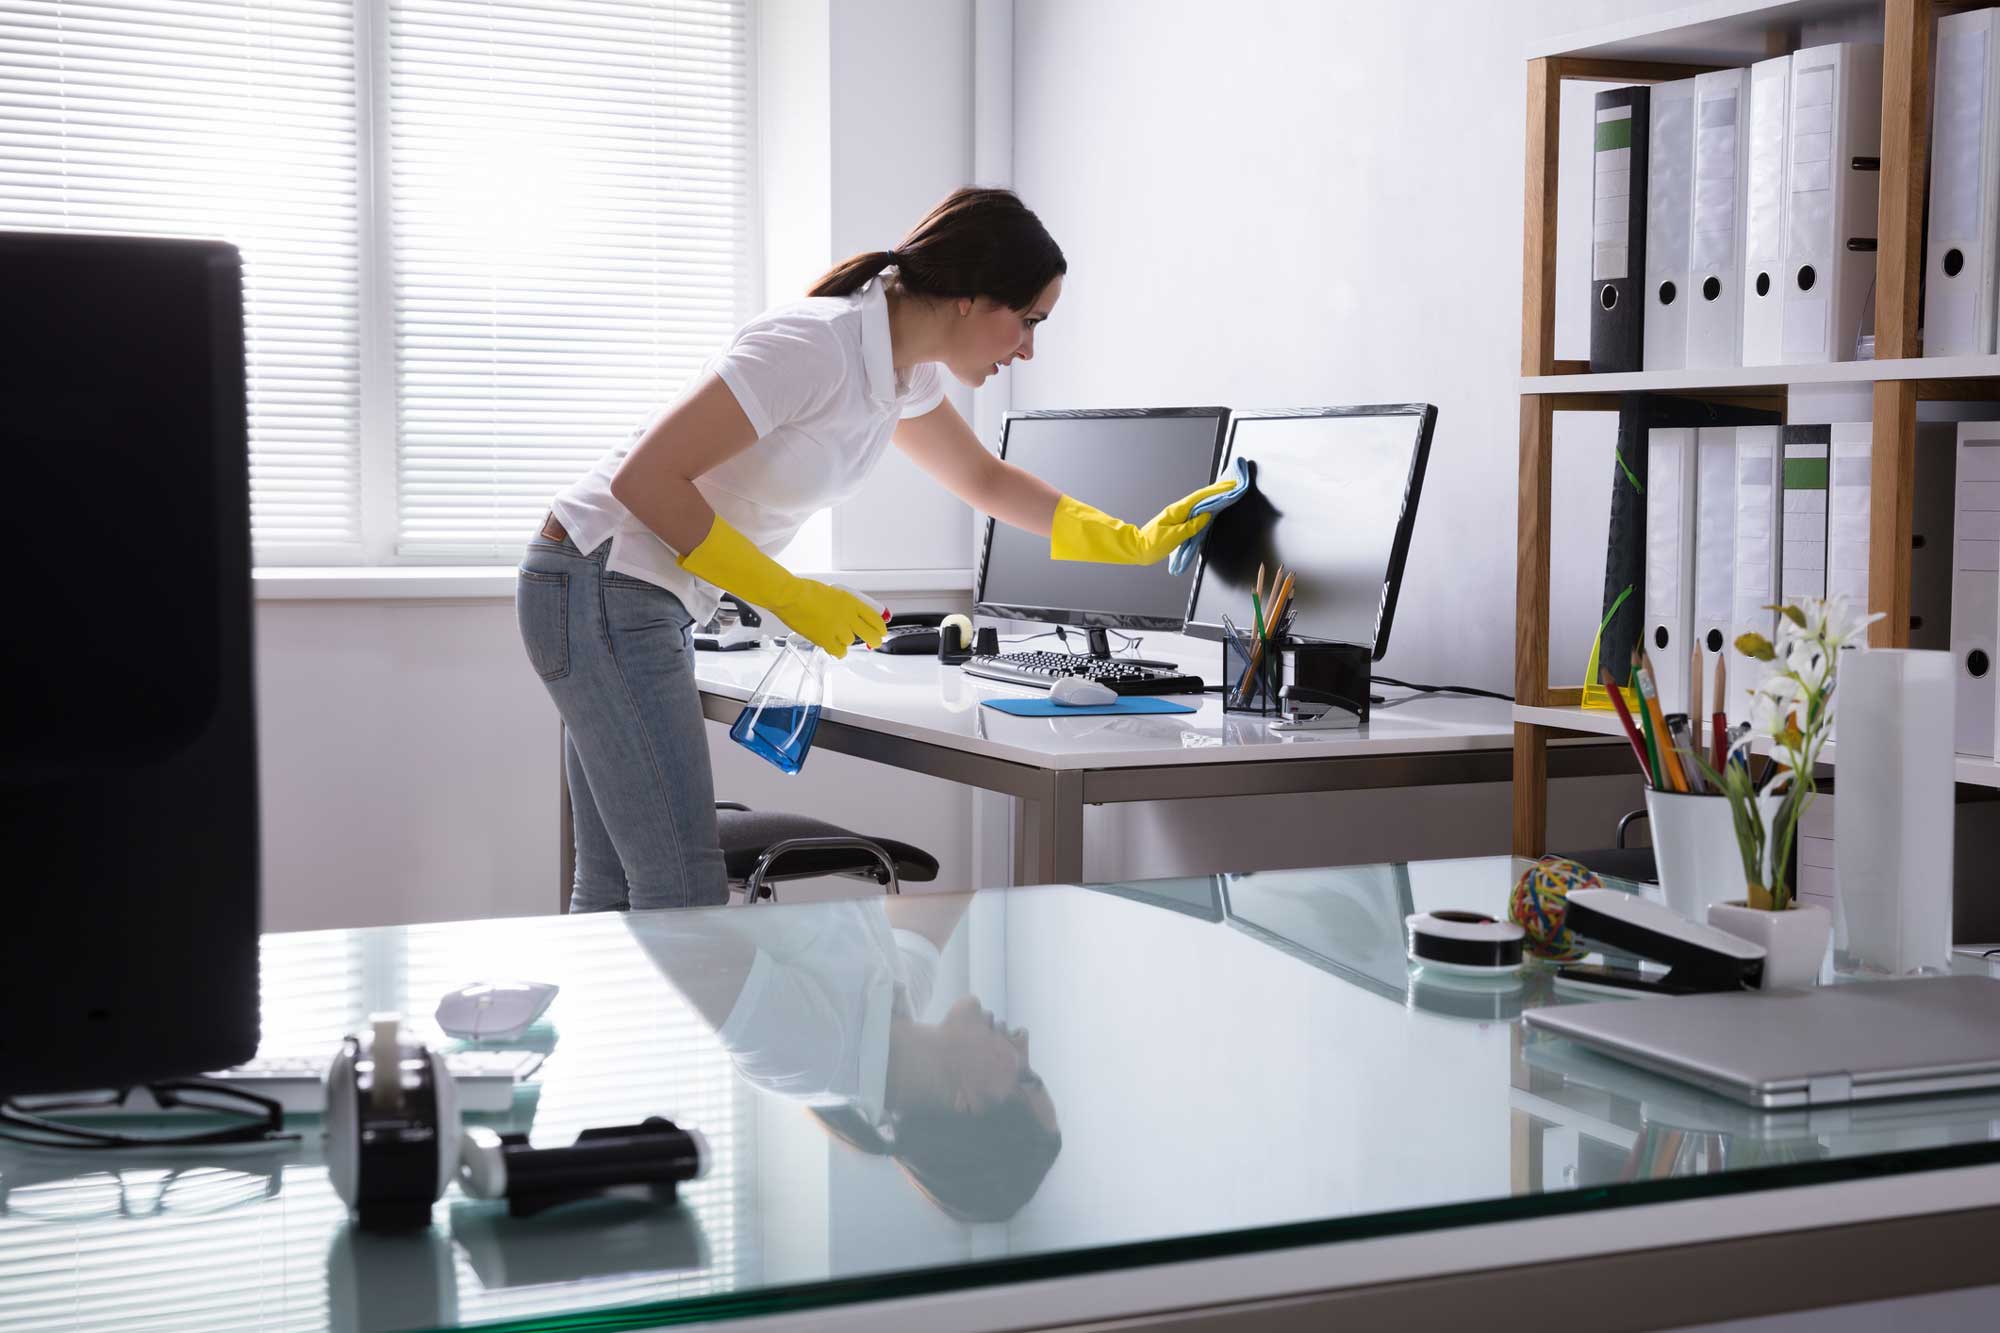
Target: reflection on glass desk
939, 1093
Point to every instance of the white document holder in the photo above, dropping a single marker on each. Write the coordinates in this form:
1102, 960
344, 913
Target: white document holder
1975, 584
1960, 268
1669, 205
1764, 213
1759, 494
1833, 174
1670, 516
1714, 544
1715, 268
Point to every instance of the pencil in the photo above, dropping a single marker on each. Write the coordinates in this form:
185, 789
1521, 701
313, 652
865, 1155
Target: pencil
1695, 674
1721, 712
1625, 721
1649, 694
1657, 769
1280, 601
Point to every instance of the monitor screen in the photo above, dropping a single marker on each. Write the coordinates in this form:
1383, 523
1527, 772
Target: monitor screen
1130, 464
1333, 499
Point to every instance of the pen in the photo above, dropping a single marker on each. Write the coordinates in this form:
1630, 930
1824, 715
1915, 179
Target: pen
1680, 731
1721, 723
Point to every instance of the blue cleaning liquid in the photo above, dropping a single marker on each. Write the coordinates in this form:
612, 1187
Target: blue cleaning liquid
781, 735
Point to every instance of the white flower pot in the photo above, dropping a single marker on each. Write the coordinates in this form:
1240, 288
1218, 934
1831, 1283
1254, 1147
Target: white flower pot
1794, 940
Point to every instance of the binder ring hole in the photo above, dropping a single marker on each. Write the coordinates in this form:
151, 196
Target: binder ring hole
1715, 641
1954, 262
1916, 541
1916, 622
1660, 636
1711, 289
1976, 662
1667, 293
1608, 296
1807, 277
1763, 284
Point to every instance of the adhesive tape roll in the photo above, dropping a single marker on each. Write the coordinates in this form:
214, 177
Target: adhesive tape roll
964, 624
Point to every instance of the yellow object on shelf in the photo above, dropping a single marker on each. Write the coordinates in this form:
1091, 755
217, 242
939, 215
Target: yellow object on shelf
1594, 693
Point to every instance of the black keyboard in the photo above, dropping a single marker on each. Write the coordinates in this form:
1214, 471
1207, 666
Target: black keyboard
1044, 669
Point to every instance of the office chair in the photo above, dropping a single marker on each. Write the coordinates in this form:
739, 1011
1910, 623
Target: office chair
1621, 862
761, 848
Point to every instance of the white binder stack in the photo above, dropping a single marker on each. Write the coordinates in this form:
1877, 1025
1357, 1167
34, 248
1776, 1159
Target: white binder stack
1670, 547
1764, 177
1960, 269
1715, 272
1714, 544
1831, 190
1759, 476
1975, 583
1669, 205
1802, 562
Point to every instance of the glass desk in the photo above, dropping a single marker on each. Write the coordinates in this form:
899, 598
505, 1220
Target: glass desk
1233, 1091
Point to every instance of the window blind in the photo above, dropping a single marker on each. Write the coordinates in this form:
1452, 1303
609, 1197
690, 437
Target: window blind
228, 120
569, 215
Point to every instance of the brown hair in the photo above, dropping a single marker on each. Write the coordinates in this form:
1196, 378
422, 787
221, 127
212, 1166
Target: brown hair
975, 242
978, 1166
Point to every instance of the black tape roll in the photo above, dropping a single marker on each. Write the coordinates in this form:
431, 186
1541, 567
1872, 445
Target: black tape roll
1465, 939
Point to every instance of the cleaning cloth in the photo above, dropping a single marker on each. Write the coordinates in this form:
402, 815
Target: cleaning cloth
1182, 559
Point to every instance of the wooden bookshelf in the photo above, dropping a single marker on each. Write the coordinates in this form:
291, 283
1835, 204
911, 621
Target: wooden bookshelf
1675, 45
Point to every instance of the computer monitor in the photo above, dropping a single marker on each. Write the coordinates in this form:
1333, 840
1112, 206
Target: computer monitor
128, 774
1131, 463
1333, 501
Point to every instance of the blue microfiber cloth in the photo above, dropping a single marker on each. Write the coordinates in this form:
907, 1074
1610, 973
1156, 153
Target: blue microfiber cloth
1129, 703
1182, 559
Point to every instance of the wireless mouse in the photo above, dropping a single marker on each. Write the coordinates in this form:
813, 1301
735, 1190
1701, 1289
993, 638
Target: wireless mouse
1077, 692
493, 1010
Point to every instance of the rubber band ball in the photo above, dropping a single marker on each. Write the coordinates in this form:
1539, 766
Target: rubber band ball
1540, 901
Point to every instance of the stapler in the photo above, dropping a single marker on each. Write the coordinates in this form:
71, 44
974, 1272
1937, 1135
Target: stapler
1697, 958
734, 627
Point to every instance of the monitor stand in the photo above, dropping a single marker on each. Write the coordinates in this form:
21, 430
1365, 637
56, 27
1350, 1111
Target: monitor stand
1100, 646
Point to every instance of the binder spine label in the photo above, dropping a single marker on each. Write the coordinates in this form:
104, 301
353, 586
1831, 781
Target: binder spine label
1802, 566
1611, 213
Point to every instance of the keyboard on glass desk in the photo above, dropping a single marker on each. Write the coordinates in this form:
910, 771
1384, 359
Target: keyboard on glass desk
1044, 669
485, 1080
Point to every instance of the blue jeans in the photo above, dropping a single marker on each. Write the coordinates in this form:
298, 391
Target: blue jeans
617, 656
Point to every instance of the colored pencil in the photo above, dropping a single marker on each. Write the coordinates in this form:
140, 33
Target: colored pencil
1721, 713
1649, 693
1625, 721
1695, 674
1653, 748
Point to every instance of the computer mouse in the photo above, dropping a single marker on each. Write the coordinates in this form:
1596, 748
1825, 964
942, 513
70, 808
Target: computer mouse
494, 1010
1079, 692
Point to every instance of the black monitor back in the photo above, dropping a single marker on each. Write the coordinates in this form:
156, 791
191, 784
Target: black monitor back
128, 775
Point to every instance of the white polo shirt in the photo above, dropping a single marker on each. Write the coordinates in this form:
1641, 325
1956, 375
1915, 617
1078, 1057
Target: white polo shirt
817, 381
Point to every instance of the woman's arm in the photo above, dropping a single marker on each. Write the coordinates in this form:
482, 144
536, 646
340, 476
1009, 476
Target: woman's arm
942, 444
656, 480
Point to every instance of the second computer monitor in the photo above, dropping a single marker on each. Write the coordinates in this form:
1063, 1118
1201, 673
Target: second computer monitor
1333, 501
1130, 463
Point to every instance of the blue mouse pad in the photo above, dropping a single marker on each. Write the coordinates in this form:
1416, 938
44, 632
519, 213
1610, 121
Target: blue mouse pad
1136, 703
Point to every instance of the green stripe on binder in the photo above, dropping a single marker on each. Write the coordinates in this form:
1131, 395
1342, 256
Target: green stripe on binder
1805, 474
1614, 134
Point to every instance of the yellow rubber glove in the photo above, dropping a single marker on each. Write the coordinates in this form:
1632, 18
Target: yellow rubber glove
1083, 533
831, 617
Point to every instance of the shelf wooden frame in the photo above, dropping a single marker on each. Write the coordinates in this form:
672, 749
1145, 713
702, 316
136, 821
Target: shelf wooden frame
1896, 381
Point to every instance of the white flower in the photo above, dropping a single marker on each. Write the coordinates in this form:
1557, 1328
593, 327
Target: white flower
1771, 704
1808, 661
1844, 626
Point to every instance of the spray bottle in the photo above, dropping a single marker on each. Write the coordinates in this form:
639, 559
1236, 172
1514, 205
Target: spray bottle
778, 723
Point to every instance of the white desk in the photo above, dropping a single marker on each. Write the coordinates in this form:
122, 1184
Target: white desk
910, 712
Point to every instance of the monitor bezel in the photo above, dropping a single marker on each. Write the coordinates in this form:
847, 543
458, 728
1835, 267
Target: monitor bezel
1406, 518
1071, 615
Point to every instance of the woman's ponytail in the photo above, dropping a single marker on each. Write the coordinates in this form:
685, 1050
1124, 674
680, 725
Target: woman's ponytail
976, 242
851, 275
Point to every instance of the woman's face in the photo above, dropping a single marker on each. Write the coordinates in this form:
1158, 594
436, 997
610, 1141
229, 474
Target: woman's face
990, 334
990, 1063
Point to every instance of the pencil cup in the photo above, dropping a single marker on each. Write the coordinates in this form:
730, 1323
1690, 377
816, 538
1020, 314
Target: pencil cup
1695, 851
1251, 684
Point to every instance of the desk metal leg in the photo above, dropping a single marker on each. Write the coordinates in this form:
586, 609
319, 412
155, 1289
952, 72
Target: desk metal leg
1048, 842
